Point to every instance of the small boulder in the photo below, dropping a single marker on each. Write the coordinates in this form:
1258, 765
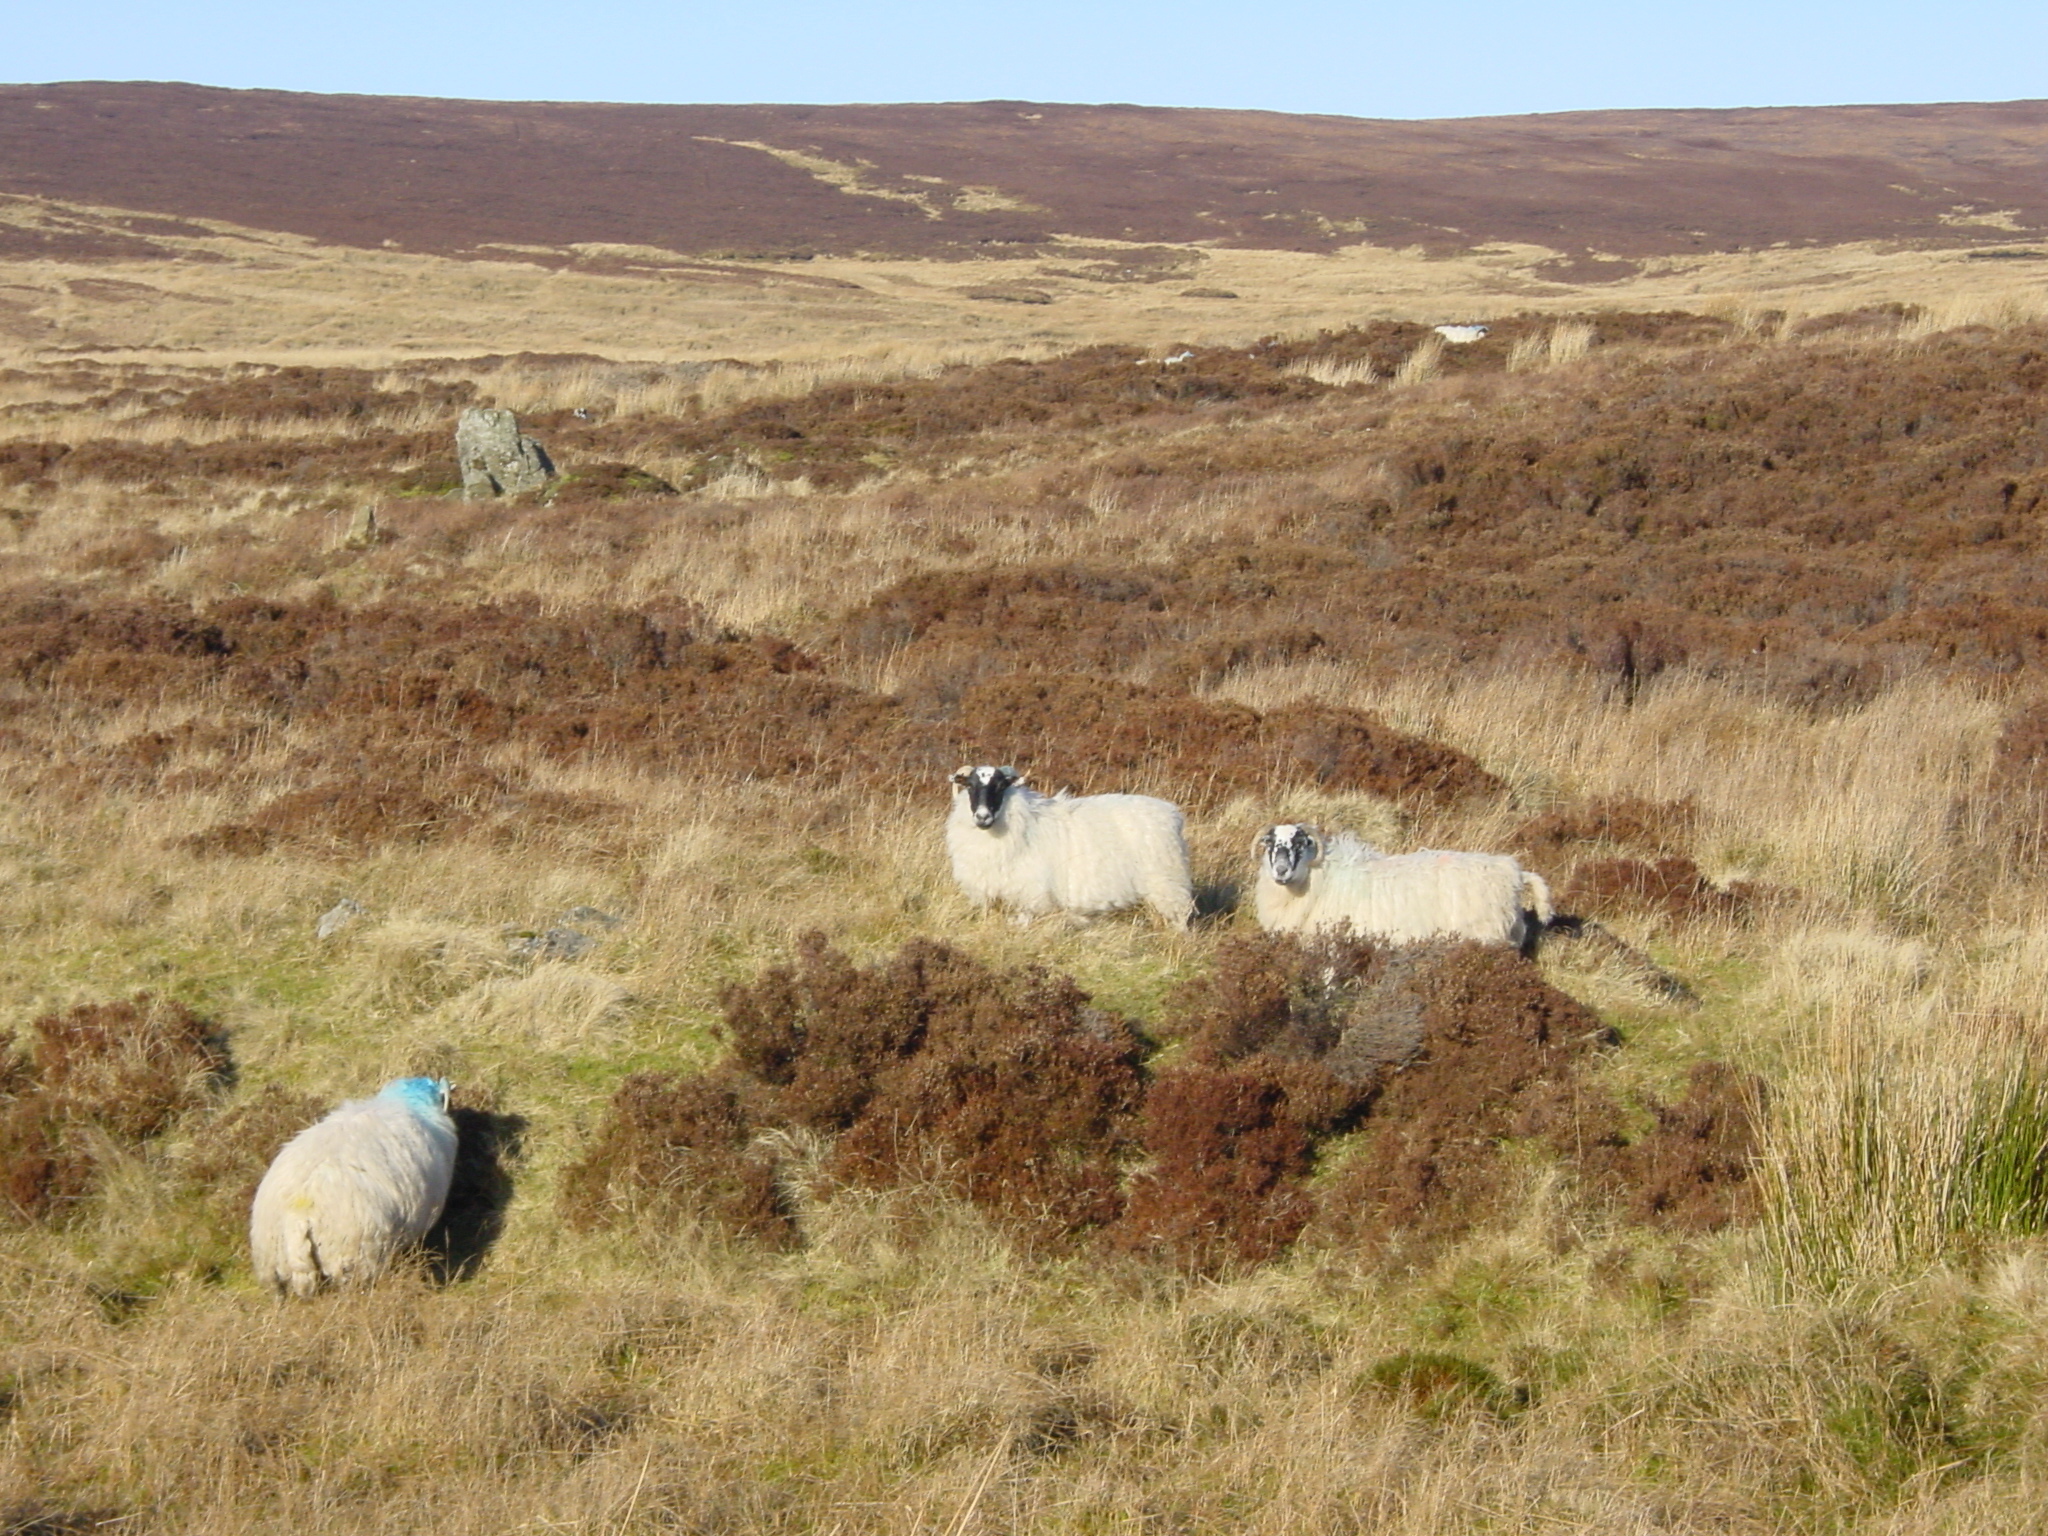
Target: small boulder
338, 917
496, 458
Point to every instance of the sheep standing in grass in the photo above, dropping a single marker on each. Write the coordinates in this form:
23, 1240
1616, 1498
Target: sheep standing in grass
1086, 855
1307, 884
350, 1191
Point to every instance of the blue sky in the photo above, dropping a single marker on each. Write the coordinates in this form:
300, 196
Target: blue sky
1420, 58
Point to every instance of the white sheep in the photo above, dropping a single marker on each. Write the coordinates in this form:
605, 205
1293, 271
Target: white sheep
1307, 884
1086, 855
351, 1190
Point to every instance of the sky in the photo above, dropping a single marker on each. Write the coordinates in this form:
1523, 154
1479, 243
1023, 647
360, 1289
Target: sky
1420, 58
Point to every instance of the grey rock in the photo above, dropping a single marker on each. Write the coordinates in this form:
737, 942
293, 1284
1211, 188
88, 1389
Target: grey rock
496, 458
555, 944
362, 529
591, 915
338, 917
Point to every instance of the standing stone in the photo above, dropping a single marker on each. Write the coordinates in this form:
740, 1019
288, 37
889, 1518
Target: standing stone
496, 458
362, 529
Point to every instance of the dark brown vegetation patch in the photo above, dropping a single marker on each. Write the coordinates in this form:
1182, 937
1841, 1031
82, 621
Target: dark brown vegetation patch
405, 696
117, 1073
1499, 1057
1622, 822
1433, 1061
347, 818
1225, 1188
677, 1147
1672, 886
1815, 518
1008, 1083
257, 393
1103, 732
927, 1065
1694, 1171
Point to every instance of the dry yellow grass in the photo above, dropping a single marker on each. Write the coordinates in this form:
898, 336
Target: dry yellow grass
269, 297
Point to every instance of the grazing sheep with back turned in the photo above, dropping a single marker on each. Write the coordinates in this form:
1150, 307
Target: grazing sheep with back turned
1307, 884
350, 1191
1086, 854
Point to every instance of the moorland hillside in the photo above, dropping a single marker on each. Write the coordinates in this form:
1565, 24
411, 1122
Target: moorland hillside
796, 1194
953, 180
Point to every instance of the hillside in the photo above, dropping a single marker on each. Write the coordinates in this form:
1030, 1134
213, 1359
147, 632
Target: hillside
795, 1192
955, 180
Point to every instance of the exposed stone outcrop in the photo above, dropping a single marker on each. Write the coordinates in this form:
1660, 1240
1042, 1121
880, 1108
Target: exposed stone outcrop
496, 458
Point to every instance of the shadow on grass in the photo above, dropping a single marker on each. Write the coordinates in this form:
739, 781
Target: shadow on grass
487, 1145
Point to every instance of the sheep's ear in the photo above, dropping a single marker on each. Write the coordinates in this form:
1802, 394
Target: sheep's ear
1017, 777
962, 775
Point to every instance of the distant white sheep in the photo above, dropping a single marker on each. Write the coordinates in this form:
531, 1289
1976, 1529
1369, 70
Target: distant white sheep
350, 1191
1086, 855
1460, 335
1307, 884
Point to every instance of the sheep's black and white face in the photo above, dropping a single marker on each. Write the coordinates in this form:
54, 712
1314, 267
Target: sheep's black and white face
1288, 851
985, 788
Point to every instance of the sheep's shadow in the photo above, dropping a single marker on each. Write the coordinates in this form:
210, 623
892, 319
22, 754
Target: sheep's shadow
1216, 901
487, 1144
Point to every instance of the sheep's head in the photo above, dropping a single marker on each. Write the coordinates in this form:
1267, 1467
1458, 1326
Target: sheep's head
422, 1095
984, 788
1287, 852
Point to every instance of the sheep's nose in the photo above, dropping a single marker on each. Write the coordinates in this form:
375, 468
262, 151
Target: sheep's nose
984, 818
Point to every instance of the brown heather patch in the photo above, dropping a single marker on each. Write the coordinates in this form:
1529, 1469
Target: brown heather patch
930, 1063
1224, 1190
122, 1071
398, 701
1816, 519
929, 1067
1498, 1056
1694, 1170
337, 395
678, 1147
1627, 821
1102, 733
1673, 886
129, 1067
407, 803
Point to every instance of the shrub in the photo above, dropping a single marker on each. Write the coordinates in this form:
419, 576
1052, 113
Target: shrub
1007, 1083
1695, 1171
1225, 1187
1673, 886
129, 1067
1497, 1057
117, 1073
677, 1147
